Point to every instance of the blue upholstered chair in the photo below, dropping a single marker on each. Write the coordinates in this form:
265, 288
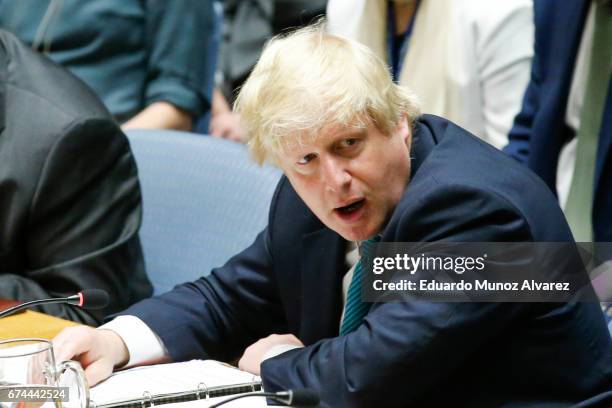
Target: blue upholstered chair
204, 200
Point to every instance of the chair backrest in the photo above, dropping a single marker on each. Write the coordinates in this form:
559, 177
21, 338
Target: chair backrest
204, 200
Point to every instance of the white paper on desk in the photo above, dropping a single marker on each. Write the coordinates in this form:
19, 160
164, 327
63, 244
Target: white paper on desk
167, 378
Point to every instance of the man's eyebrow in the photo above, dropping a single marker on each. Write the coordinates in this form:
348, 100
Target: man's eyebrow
350, 133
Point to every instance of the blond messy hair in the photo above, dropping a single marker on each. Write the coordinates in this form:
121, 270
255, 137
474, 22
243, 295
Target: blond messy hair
309, 79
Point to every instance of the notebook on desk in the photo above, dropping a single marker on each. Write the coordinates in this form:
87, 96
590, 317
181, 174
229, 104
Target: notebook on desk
148, 386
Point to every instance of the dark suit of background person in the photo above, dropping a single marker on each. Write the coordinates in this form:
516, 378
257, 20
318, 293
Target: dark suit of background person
248, 25
405, 354
70, 204
540, 129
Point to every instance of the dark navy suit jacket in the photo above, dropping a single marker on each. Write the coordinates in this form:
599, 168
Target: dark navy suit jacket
539, 130
410, 353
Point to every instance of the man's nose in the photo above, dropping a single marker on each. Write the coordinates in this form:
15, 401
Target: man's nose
335, 174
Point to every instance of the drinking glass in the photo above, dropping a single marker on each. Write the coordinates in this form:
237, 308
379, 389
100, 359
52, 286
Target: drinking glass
30, 377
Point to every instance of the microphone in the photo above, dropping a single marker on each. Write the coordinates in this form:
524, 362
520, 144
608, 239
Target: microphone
303, 397
93, 299
87, 299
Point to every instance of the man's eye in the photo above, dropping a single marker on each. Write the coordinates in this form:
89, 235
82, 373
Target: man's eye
347, 143
306, 159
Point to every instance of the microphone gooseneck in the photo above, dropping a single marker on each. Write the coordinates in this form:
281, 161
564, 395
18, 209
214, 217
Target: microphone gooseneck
293, 398
87, 299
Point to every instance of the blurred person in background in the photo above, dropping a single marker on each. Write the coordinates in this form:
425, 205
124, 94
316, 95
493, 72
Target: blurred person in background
568, 107
70, 203
564, 130
467, 61
146, 59
248, 24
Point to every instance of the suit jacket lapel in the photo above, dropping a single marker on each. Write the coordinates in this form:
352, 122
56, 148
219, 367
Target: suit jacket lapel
322, 269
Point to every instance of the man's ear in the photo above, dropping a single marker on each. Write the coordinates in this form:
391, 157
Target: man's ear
403, 129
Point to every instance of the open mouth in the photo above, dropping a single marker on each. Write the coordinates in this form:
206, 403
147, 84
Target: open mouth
351, 208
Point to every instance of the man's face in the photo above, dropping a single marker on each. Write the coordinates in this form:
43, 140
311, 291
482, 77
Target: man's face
351, 179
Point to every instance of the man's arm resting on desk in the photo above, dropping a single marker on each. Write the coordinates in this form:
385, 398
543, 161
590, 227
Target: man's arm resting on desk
127, 341
98, 351
145, 347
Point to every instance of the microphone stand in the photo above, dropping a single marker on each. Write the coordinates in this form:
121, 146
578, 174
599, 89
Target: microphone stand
73, 300
286, 398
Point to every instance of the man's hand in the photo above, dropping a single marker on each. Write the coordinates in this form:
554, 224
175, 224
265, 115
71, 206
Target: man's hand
224, 123
98, 351
227, 125
253, 355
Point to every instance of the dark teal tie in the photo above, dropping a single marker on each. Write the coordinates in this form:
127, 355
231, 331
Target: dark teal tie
355, 310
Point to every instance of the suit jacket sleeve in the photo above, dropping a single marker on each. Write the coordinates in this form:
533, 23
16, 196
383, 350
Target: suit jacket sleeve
178, 69
83, 223
403, 349
219, 315
519, 138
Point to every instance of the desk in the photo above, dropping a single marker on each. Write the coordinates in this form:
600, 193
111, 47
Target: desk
32, 324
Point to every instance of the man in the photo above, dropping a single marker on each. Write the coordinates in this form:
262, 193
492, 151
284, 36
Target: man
547, 130
361, 164
70, 204
564, 130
